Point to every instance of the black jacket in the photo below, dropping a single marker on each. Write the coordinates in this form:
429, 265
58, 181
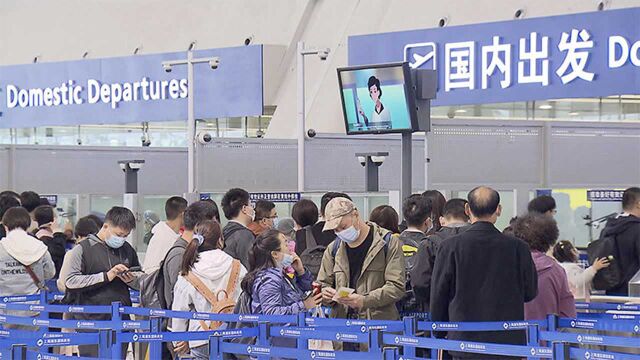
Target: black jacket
483, 275
238, 239
57, 248
425, 260
626, 230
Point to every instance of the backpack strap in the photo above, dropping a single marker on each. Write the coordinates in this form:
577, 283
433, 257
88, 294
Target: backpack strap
309, 238
336, 246
233, 278
201, 288
386, 239
34, 277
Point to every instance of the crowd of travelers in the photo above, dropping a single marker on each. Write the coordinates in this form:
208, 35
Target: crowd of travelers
445, 258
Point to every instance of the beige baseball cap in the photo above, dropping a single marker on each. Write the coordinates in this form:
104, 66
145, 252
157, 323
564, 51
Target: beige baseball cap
335, 210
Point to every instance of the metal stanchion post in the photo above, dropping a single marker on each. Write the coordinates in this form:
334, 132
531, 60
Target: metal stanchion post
302, 322
533, 337
410, 328
155, 348
263, 338
18, 352
116, 320
104, 343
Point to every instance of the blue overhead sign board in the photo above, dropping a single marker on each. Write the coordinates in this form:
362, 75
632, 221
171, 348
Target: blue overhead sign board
131, 89
570, 56
605, 195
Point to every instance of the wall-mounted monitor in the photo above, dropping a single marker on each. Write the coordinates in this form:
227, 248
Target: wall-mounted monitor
378, 99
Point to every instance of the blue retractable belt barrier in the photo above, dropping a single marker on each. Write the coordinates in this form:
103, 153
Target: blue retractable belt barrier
595, 354
282, 319
480, 326
467, 346
256, 350
319, 333
600, 324
590, 339
35, 355
606, 306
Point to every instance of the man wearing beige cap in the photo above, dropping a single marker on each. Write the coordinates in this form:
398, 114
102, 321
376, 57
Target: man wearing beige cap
365, 258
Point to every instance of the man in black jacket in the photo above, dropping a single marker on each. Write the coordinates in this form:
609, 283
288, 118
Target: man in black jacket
98, 269
238, 239
626, 230
454, 221
483, 275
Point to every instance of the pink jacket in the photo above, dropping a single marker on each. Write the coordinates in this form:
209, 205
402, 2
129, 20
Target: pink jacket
554, 296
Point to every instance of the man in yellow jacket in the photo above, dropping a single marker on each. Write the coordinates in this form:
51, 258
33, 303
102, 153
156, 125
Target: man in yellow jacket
364, 257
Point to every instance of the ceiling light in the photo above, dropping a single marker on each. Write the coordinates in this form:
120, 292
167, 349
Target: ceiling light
546, 107
574, 113
461, 111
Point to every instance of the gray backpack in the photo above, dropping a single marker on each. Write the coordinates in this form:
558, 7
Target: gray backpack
312, 256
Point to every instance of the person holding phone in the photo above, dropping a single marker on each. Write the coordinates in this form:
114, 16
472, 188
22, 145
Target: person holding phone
380, 114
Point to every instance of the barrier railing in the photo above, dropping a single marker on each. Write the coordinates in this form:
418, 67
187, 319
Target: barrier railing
381, 339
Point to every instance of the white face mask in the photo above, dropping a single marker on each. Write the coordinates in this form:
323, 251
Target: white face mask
253, 213
349, 234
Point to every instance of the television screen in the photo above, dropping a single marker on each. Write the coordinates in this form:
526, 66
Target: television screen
377, 99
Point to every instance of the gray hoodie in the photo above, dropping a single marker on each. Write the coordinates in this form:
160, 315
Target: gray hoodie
18, 249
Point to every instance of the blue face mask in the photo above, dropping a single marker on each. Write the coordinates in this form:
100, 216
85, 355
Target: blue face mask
115, 242
276, 221
348, 235
287, 260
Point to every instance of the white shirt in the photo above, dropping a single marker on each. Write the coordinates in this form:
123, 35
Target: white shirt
162, 240
384, 116
579, 279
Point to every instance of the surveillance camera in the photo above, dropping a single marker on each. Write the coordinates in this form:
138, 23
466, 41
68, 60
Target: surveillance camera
204, 138
146, 142
214, 63
259, 134
79, 141
323, 54
378, 160
166, 67
519, 14
443, 21
311, 133
362, 160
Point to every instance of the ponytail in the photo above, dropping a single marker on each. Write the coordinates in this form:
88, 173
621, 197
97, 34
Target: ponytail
563, 252
260, 257
207, 235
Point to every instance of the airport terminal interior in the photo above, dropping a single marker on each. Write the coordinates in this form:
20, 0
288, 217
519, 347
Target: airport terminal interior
320, 179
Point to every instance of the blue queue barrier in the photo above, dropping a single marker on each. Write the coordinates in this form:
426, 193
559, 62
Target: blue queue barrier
382, 337
606, 306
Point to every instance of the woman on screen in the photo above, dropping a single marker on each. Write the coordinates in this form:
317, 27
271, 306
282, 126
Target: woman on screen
380, 114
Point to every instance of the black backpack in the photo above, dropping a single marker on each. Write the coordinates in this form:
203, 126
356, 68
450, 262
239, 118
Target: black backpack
611, 276
408, 304
312, 256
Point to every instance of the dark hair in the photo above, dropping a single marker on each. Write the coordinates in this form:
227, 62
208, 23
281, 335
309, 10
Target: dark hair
630, 197
96, 219
198, 212
174, 206
7, 202
330, 196
563, 252
509, 229
455, 209
15, 218
542, 204
233, 202
483, 201
85, 227
437, 204
260, 256
537, 230
121, 217
305, 212
263, 209
211, 231
43, 214
386, 217
30, 200
374, 81
12, 194
215, 207
416, 209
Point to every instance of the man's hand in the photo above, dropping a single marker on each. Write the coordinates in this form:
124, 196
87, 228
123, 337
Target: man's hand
354, 301
182, 347
120, 271
327, 295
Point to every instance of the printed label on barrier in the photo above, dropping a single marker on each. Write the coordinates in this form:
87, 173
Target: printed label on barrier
36, 308
443, 326
541, 351
582, 324
85, 325
228, 333
201, 316
598, 355
323, 355
53, 335
247, 318
624, 317
473, 347
131, 325
401, 340
3, 319
258, 350
5, 333
589, 339
75, 309
516, 325
346, 337
151, 337
288, 332
38, 322
154, 312
57, 342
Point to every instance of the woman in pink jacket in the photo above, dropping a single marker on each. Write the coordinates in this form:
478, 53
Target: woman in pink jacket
554, 297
